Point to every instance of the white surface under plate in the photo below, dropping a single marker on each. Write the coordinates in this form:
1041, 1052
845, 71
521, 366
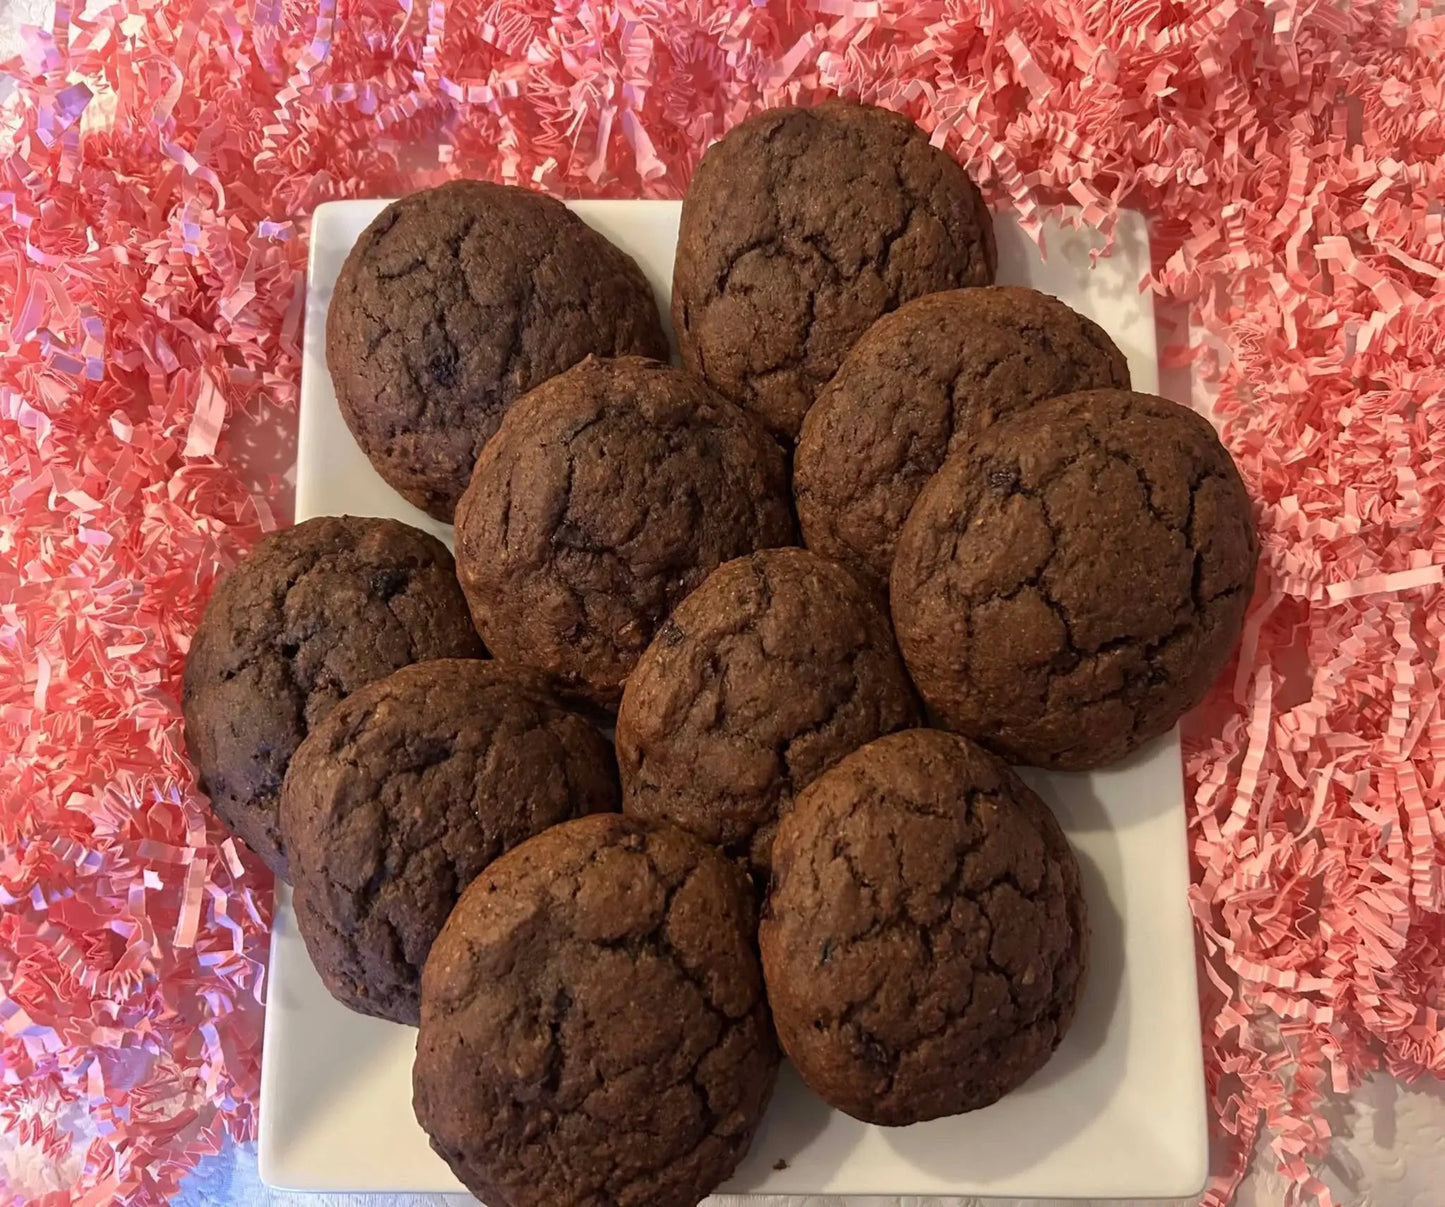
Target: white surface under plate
1119, 1112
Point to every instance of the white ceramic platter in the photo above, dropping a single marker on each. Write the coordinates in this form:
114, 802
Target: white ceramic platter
1119, 1112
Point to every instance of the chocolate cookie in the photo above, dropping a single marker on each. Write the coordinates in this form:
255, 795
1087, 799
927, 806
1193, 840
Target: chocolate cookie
922, 382
764, 677
1070, 585
315, 612
404, 793
456, 300
926, 938
802, 226
608, 494
593, 1026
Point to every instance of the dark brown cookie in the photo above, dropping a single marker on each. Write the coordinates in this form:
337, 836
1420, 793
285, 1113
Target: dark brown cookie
315, 612
455, 301
1071, 584
926, 937
922, 382
593, 1026
607, 495
802, 226
764, 677
404, 793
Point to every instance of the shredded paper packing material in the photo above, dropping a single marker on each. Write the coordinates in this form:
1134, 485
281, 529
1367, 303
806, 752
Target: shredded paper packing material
159, 160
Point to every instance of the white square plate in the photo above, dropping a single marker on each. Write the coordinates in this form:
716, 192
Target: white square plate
1118, 1112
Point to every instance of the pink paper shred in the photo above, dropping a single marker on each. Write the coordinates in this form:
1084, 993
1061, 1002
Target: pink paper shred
158, 163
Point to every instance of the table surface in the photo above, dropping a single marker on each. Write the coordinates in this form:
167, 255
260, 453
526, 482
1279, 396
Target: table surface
1390, 1138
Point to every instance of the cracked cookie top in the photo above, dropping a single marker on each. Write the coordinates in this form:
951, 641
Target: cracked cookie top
926, 938
313, 613
765, 676
923, 381
606, 496
800, 227
455, 301
593, 1026
404, 793
1072, 583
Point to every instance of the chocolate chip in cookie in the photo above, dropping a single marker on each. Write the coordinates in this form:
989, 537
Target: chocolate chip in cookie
926, 938
593, 1025
1070, 584
455, 301
404, 793
764, 677
607, 494
800, 227
311, 615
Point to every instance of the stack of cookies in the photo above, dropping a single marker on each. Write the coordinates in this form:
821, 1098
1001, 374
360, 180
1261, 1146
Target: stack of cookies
805, 833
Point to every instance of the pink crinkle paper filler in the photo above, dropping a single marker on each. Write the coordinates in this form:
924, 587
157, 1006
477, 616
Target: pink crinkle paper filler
160, 159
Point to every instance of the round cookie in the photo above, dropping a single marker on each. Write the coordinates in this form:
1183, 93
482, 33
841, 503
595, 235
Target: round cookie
454, 301
926, 938
802, 226
593, 1025
762, 678
313, 613
607, 494
404, 793
1071, 584
923, 381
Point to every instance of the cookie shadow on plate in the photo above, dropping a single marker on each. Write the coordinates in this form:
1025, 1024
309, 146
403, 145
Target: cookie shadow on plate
1081, 1079
332, 1070
1138, 789
791, 1133
337, 1050
1103, 1005
1067, 267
